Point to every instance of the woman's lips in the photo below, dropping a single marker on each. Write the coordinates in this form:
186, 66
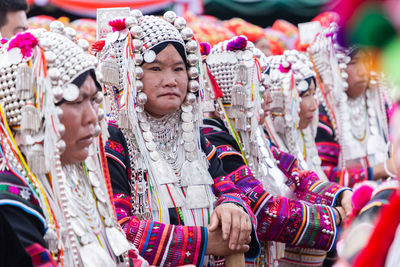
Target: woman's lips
86, 141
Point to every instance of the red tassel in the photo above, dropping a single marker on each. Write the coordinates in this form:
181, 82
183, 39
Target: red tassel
98, 46
215, 86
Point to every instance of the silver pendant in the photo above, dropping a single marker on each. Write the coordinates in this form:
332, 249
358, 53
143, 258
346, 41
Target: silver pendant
118, 242
189, 146
99, 194
188, 136
187, 126
151, 146
93, 179
187, 117
145, 126
154, 155
71, 92
93, 255
187, 108
90, 164
147, 136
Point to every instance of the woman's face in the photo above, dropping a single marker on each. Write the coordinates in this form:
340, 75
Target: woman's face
80, 119
357, 76
308, 106
165, 82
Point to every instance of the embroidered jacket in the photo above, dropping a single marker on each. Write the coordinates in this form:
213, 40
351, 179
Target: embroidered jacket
162, 244
329, 150
279, 218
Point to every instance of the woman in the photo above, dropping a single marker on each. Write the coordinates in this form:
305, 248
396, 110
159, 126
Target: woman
55, 189
159, 162
235, 69
352, 135
294, 119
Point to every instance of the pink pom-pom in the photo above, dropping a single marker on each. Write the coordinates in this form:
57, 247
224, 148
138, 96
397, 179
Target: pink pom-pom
117, 24
237, 43
361, 196
25, 41
285, 67
98, 45
205, 48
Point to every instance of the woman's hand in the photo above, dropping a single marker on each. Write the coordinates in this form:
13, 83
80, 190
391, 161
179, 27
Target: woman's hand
234, 223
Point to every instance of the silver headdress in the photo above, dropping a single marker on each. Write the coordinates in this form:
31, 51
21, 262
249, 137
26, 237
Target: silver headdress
287, 80
37, 69
168, 149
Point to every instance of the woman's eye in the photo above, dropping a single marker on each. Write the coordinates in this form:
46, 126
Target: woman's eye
155, 68
179, 69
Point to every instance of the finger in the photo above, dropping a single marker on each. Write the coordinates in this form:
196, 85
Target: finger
348, 207
214, 222
226, 221
235, 230
245, 230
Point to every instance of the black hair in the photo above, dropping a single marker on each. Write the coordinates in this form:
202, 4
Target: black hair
178, 46
11, 5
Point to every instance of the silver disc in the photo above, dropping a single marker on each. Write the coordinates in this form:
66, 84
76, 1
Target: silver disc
187, 116
71, 92
99, 194
189, 146
90, 164
147, 136
145, 126
191, 156
149, 56
154, 155
102, 209
93, 179
188, 136
187, 108
187, 126
151, 146
141, 117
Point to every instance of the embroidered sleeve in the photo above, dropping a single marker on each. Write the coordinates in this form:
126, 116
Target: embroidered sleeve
40, 256
329, 150
161, 244
306, 184
285, 220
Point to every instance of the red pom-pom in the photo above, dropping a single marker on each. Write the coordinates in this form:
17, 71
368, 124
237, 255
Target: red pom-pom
98, 45
25, 41
361, 196
205, 48
117, 24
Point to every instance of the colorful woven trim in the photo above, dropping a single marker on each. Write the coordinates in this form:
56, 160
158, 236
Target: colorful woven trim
167, 245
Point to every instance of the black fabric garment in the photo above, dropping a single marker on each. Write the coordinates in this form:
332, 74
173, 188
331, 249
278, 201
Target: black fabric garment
12, 252
18, 228
216, 132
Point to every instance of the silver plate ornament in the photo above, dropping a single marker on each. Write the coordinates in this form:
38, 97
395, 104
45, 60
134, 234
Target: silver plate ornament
145, 126
189, 146
154, 155
103, 210
151, 146
187, 108
187, 116
188, 136
78, 226
90, 164
100, 195
191, 156
187, 126
93, 179
71, 92
147, 136
14, 56
149, 56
